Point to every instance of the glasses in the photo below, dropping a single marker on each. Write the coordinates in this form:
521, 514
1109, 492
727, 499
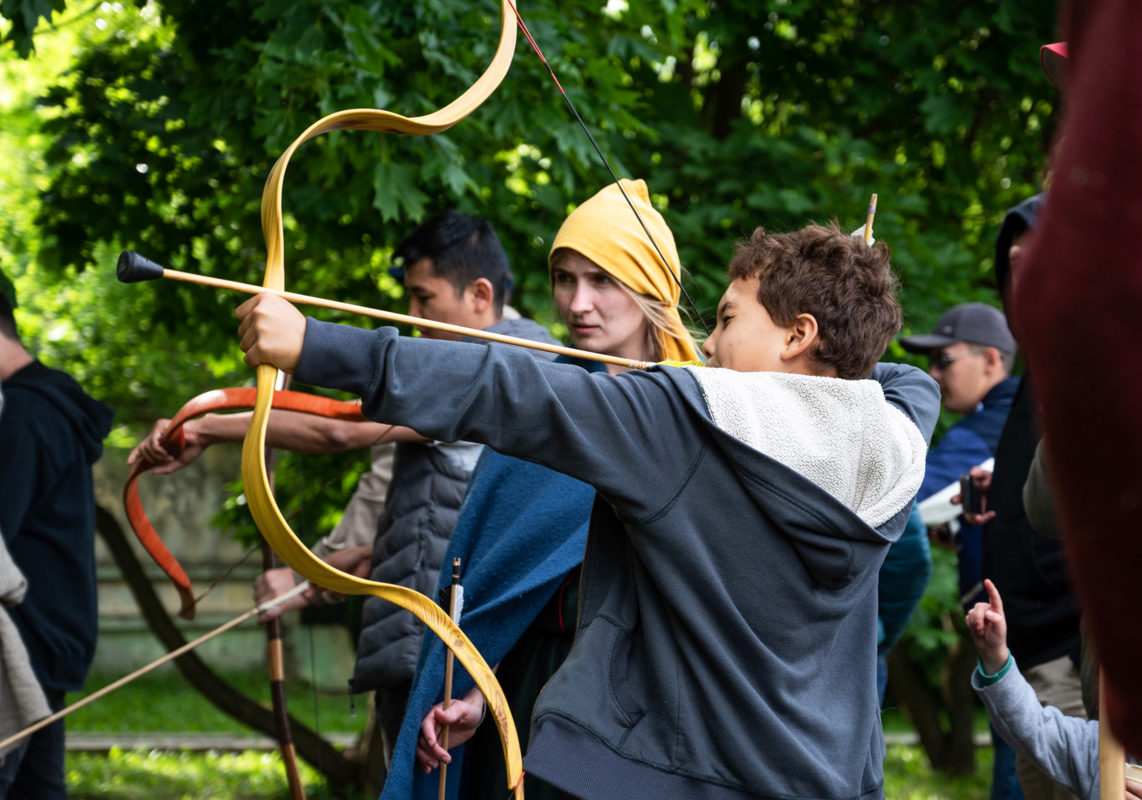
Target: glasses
941, 361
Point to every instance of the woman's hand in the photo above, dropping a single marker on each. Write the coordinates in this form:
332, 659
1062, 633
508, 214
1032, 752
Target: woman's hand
464, 717
152, 450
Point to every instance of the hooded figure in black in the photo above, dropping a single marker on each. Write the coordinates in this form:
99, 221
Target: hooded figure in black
1029, 569
51, 432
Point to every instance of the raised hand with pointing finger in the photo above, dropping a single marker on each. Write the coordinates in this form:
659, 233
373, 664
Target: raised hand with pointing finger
988, 627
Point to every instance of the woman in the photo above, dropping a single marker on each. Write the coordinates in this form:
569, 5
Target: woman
523, 528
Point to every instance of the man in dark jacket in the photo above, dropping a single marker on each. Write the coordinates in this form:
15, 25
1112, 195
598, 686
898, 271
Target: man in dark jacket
1028, 568
454, 270
970, 354
50, 435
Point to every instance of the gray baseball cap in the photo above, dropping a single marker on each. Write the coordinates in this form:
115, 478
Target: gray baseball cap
975, 323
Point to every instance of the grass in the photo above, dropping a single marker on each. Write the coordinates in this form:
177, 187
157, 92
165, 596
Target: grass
152, 775
907, 776
163, 702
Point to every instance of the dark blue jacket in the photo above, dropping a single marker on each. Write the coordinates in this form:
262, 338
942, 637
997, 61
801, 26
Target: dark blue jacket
51, 433
969, 442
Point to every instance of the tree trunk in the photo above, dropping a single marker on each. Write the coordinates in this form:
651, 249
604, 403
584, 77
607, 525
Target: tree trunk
949, 745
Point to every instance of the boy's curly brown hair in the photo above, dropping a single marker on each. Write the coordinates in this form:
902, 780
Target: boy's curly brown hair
846, 285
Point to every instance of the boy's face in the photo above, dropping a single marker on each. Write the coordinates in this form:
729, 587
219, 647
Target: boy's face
746, 338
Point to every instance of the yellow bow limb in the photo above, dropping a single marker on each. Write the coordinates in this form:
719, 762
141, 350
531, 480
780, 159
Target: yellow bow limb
262, 505
293, 552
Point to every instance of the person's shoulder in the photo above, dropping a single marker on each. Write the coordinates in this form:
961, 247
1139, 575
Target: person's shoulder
1002, 395
25, 392
524, 328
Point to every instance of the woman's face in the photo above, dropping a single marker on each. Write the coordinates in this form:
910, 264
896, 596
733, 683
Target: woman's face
599, 313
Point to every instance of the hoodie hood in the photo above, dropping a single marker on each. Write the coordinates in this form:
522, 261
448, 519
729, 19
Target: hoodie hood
89, 419
1022, 217
840, 434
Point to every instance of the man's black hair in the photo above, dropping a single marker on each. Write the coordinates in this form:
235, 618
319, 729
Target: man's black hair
462, 248
7, 319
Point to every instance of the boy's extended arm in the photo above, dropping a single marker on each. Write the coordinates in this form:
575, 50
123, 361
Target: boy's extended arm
594, 427
913, 392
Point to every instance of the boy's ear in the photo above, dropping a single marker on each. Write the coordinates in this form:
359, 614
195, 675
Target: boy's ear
481, 294
799, 337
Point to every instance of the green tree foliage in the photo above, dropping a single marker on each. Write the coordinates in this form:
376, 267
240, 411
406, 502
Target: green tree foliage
737, 113
22, 18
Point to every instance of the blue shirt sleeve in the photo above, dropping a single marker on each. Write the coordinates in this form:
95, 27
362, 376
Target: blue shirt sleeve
959, 451
903, 578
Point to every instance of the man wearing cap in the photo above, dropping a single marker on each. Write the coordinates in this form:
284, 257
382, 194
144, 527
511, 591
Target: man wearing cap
970, 354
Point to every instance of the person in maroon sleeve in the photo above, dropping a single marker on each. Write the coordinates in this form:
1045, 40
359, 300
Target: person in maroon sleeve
1075, 307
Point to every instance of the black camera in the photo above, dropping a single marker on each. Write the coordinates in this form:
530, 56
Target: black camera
971, 498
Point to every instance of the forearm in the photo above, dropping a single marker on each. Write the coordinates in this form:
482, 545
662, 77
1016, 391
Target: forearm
913, 392
993, 660
297, 432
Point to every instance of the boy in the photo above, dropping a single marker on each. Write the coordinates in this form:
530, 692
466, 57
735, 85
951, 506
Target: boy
1065, 748
727, 626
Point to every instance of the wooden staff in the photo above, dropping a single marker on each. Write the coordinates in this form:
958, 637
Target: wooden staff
133, 267
1111, 756
275, 658
171, 656
454, 604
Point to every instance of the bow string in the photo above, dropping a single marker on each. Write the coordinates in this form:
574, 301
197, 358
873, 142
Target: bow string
263, 507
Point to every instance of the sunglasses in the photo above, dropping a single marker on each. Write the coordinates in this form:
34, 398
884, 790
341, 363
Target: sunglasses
941, 361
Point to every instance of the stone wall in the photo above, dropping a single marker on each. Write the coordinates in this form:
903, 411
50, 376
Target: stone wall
180, 506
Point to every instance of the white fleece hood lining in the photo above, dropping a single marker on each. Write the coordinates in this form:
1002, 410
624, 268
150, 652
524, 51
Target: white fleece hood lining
841, 434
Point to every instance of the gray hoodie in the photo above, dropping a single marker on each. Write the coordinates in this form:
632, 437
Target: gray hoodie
727, 627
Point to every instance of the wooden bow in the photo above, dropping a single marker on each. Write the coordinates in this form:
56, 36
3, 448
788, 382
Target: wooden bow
262, 505
173, 441
235, 399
